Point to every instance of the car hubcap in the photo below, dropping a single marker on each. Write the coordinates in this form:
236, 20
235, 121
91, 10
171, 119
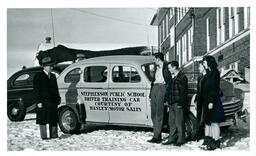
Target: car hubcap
68, 120
15, 111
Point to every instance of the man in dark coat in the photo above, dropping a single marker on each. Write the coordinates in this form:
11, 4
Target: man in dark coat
177, 104
159, 95
47, 99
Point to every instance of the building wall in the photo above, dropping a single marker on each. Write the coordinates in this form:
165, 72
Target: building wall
218, 34
237, 52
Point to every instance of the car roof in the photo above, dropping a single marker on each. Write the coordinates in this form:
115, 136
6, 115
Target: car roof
130, 59
35, 68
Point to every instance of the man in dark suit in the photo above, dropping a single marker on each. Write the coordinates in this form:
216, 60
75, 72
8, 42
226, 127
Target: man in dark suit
158, 95
177, 104
47, 99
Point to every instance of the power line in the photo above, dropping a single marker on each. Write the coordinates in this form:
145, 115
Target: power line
108, 17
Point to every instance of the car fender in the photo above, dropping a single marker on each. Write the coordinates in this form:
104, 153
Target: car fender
75, 108
192, 107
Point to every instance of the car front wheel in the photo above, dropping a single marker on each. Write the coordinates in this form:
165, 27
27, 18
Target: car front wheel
68, 121
15, 112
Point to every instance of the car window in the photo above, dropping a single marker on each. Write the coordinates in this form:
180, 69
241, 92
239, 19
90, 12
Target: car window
126, 74
73, 76
149, 69
25, 79
95, 74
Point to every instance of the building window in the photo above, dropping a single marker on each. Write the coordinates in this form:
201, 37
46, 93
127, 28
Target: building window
172, 36
234, 66
184, 49
233, 21
181, 12
220, 26
167, 24
171, 12
167, 56
207, 35
164, 27
190, 42
236, 20
178, 46
163, 31
246, 17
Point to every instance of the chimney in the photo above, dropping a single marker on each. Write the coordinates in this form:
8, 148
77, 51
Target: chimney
48, 39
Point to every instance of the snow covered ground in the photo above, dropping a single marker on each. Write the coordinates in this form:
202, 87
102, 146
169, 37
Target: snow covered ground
25, 136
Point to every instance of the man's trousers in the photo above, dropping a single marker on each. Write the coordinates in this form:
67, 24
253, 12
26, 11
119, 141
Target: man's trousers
53, 131
176, 124
157, 108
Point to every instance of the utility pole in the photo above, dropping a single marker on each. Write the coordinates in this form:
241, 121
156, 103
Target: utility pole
53, 36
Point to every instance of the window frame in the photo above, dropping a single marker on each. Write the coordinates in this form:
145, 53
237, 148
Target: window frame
70, 72
97, 65
130, 78
27, 82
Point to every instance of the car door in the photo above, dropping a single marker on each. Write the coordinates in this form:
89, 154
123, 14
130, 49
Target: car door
93, 90
22, 87
127, 95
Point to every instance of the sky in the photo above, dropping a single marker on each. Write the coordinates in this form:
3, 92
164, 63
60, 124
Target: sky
97, 28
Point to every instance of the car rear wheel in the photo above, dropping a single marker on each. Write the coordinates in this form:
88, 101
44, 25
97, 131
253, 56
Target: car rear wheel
191, 127
15, 112
68, 121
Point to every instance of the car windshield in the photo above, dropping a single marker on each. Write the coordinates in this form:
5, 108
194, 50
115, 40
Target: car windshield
148, 69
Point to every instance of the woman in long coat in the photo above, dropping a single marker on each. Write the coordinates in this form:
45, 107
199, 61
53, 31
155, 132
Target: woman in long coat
211, 104
198, 100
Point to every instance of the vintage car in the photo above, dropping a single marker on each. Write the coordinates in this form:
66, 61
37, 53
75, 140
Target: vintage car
20, 98
114, 90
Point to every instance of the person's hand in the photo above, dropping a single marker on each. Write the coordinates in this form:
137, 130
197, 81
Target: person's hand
166, 104
179, 107
40, 105
210, 105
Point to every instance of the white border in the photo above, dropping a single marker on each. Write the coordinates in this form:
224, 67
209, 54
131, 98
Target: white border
114, 4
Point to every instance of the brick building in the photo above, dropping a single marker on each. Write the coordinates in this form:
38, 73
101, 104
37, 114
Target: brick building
185, 34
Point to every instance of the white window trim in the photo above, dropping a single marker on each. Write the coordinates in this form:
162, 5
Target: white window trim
171, 11
172, 40
190, 41
236, 13
222, 25
218, 26
207, 35
167, 25
246, 17
178, 46
233, 23
230, 23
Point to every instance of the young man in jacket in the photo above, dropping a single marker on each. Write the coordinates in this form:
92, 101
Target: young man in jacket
177, 104
47, 98
158, 95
